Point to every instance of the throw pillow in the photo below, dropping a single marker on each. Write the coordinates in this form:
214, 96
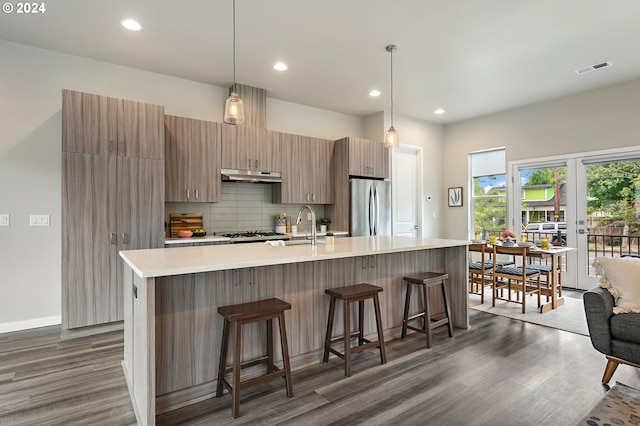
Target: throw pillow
621, 276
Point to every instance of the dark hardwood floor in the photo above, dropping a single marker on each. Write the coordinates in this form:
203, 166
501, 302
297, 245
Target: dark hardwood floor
498, 372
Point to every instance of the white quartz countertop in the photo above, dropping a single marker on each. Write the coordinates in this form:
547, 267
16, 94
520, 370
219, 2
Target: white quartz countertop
185, 260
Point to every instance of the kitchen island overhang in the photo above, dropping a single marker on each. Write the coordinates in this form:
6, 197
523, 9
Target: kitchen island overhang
172, 330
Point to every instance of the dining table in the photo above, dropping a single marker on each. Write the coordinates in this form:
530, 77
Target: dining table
553, 255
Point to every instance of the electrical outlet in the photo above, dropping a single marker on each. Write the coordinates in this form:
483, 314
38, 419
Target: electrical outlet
308, 216
4, 220
39, 220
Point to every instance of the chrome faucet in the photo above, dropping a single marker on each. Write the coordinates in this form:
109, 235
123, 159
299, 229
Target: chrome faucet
313, 221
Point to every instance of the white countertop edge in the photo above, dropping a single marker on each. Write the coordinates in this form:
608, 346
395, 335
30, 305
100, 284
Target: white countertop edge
212, 238
160, 262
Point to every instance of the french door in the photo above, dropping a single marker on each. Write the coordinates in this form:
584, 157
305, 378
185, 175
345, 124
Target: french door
578, 191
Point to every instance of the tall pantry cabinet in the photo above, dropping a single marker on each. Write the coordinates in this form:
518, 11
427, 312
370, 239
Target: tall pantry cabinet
112, 199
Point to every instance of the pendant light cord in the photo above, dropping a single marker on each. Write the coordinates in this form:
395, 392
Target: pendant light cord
234, 46
391, 86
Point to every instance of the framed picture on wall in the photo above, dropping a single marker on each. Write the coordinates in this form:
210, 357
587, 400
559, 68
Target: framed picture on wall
455, 196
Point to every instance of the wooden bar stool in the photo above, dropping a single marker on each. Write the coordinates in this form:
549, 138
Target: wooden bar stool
353, 293
426, 280
245, 313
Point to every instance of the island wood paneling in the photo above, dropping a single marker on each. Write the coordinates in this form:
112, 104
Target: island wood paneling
189, 328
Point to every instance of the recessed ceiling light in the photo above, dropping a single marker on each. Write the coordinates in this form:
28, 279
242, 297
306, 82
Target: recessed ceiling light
439, 111
374, 93
280, 66
131, 24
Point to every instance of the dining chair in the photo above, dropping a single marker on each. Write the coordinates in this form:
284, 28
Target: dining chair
480, 269
518, 278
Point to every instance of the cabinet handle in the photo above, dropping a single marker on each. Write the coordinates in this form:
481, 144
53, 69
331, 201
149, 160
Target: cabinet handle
372, 262
256, 163
313, 196
111, 146
188, 194
125, 238
236, 274
113, 238
197, 194
249, 162
365, 261
251, 277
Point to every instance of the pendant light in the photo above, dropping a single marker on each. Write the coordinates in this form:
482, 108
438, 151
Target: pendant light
391, 139
233, 109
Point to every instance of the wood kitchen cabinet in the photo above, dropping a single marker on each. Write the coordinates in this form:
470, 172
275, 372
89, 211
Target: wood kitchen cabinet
250, 148
367, 158
192, 160
305, 171
95, 124
112, 200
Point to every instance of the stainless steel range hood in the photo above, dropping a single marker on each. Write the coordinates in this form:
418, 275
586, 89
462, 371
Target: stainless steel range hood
251, 176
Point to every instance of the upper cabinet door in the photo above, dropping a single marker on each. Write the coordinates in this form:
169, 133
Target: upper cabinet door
305, 170
250, 148
368, 159
101, 125
192, 163
89, 124
177, 156
268, 158
141, 130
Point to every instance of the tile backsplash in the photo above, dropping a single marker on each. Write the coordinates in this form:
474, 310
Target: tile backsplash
245, 206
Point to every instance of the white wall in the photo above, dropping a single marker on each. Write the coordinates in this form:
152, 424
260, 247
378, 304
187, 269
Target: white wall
594, 120
31, 81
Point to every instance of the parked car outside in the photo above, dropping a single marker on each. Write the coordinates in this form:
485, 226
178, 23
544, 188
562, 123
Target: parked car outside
556, 230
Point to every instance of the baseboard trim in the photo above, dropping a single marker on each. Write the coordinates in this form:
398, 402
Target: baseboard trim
92, 330
8, 327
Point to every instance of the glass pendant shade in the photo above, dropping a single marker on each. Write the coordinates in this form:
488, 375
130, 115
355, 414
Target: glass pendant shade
391, 139
234, 110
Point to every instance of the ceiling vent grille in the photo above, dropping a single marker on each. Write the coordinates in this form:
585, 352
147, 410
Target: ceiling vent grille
594, 67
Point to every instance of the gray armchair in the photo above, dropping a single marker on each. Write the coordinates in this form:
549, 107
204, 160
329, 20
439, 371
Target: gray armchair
616, 336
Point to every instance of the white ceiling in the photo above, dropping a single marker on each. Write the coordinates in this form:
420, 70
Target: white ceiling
470, 57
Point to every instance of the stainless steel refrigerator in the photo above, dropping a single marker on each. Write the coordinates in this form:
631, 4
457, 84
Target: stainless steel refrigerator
370, 208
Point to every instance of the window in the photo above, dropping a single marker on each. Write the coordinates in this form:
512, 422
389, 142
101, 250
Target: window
489, 192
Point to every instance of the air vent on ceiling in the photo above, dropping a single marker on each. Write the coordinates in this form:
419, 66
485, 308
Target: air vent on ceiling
594, 67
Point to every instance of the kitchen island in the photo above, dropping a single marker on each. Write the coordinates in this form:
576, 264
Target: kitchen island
173, 331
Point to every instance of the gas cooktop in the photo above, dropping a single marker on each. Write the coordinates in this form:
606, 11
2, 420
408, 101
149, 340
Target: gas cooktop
252, 236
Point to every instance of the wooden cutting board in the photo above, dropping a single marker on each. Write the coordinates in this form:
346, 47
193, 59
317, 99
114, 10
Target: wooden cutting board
185, 221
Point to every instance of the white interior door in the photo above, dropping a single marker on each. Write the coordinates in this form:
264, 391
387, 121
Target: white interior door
406, 191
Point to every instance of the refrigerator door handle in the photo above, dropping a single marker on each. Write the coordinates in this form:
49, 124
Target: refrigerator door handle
376, 211
371, 218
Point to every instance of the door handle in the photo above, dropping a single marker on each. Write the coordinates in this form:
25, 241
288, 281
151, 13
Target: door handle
370, 211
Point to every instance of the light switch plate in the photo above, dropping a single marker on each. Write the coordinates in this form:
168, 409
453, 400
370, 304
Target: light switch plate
39, 220
4, 220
